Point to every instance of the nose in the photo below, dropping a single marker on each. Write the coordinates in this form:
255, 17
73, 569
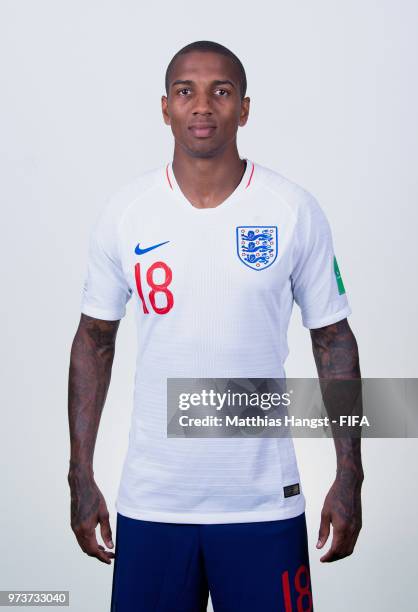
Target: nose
202, 104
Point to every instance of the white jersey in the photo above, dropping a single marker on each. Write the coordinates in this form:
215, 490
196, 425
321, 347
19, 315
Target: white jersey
210, 302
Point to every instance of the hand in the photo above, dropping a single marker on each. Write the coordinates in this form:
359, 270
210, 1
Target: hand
88, 508
342, 508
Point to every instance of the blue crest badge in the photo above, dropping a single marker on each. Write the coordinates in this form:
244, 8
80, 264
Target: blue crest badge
257, 245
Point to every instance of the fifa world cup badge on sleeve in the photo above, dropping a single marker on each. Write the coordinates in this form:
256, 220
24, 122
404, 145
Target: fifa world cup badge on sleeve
257, 245
337, 272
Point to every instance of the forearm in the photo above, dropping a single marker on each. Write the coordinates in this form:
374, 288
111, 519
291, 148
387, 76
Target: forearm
91, 362
336, 356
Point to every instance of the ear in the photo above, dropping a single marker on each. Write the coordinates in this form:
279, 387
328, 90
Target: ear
164, 109
245, 110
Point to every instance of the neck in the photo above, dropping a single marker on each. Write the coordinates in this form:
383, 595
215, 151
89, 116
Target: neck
207, 181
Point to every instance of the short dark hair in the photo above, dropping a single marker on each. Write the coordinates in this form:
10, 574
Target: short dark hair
214, 47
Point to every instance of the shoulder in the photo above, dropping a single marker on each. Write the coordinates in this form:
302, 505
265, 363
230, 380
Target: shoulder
120, 201
108, 222
296, 197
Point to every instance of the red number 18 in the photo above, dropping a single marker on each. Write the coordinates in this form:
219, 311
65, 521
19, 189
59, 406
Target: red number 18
155, 287
302, 590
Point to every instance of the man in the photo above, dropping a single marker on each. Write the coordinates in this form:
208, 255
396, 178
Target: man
197, 515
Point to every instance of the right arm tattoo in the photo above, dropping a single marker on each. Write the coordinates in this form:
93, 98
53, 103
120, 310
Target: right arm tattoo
90, 369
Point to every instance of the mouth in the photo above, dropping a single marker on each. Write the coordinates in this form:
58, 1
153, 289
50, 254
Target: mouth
202, 131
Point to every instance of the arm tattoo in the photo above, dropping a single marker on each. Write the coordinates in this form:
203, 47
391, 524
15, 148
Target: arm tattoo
336, 356
90, 369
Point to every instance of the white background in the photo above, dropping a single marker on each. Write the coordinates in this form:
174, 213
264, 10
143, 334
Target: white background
333, 107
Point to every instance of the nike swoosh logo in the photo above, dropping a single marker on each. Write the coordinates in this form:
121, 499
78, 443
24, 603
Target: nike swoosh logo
140, 251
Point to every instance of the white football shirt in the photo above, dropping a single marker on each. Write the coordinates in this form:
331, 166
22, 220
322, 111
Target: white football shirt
212, 291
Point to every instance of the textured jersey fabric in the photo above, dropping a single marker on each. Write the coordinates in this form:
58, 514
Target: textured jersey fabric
212, 291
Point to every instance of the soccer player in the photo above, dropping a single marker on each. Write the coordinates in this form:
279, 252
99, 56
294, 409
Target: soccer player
212, 249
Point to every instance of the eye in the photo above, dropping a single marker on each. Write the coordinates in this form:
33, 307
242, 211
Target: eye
183, 89
224, 92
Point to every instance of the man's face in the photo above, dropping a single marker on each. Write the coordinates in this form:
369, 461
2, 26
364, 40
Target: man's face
204, 105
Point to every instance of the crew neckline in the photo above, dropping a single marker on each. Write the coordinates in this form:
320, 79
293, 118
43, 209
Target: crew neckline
243, 185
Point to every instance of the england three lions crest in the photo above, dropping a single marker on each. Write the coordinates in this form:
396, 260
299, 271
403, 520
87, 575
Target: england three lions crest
257, 245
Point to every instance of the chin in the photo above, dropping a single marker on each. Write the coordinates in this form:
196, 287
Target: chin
204, 151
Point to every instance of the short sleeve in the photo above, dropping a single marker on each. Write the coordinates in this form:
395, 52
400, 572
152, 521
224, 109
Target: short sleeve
317, 284
106, 291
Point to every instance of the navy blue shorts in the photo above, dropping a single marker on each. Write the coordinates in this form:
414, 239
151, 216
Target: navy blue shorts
246, 567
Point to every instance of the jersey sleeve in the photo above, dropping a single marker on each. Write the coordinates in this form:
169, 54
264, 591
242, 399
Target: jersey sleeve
317, 284
106, 290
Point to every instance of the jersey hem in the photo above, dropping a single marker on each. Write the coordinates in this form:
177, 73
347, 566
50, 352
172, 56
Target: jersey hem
333, 318
213, 518
105, 315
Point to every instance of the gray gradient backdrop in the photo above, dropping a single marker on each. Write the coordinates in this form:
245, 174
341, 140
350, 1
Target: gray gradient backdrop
333, 107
